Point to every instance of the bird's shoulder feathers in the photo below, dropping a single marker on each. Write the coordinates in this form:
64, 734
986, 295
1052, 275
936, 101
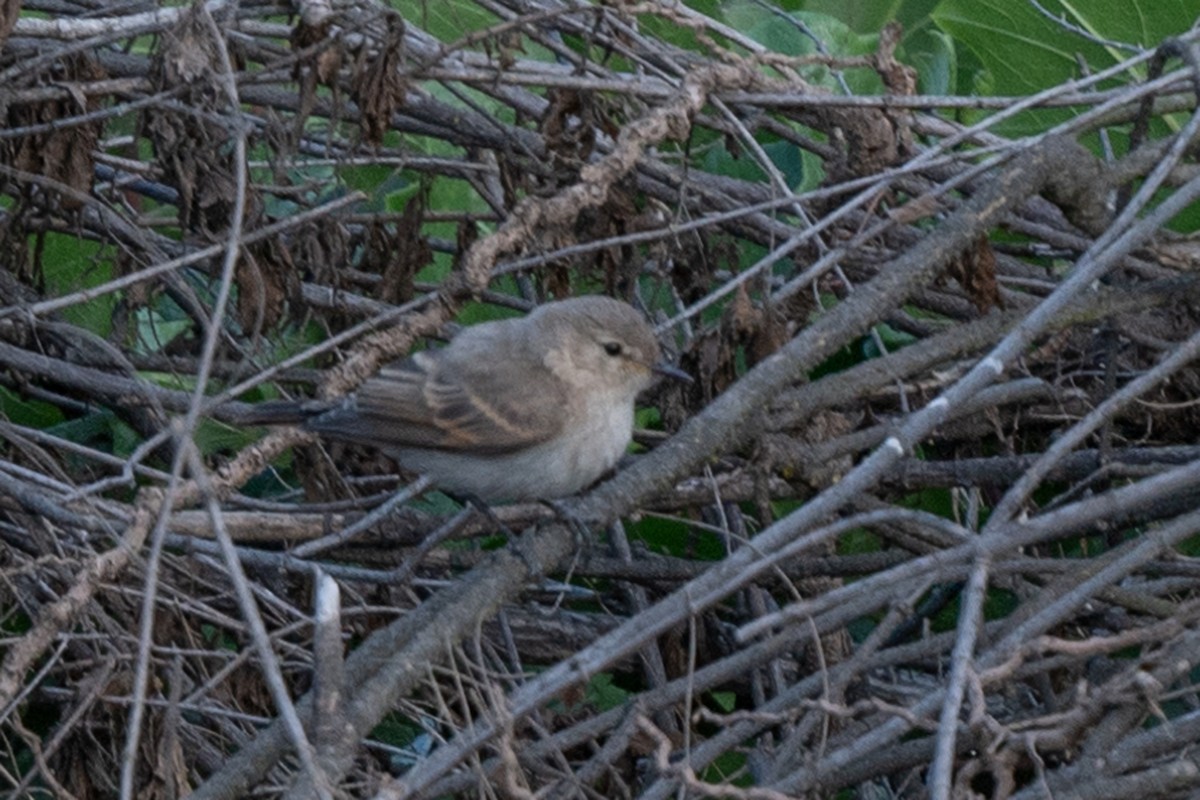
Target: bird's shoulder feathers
464, 397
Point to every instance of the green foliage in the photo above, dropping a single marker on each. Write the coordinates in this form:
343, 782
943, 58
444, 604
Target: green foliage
101, 429
842, 360
891, 339
276, 480
219, 637
474, 313
724, 701
678, 538
447, 20
859, 629
935, 501
216, 437
30, 413
397, 197
786, 157
981, 47
602, 694
403, 733
798, 34
156, 328
725, 765
1021, 51
649, 417
932, 53
70, 264
858, 541
873, 16
1190, 547
999, 603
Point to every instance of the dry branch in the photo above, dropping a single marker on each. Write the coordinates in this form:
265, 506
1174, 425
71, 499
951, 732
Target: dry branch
974, 353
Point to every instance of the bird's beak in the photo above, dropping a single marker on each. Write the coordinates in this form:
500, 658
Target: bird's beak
671, 371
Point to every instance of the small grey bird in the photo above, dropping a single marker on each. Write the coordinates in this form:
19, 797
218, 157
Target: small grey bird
536, 407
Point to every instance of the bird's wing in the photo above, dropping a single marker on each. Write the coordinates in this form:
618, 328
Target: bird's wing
450, 401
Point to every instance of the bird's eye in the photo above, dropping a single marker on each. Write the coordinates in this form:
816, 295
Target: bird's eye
612, 348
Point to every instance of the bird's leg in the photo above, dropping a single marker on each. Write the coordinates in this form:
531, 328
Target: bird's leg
481, 506
579, 529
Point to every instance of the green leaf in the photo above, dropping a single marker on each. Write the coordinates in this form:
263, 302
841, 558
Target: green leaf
218, 437
726, 701
448, 20
677, 538
859, 541
786, 157
999, 603
154, 332
648, 417
828, 33
170, 380
730, 766
1022, 51
88, 429
125, 440
603, 694
892, 339
366, 177
1148, 21
30, 413
70, 264
788, 160
798, 34
933, 55
867, 17
395, 200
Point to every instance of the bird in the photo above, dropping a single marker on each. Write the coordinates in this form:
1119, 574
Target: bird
529, 408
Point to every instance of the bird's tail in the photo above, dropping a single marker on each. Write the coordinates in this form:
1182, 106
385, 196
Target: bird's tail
284, 412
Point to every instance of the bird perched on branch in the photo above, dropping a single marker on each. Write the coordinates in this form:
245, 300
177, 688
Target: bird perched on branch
536, 407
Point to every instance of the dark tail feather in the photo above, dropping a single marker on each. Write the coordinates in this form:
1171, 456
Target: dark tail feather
281, 412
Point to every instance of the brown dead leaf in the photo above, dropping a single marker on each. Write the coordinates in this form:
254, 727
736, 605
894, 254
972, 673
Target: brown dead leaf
514, 181
63, 155
615, 266
408, 254
899, 78
10, 10
318, 61
511, 42
568, 125
712, 362
324, 63
192, 148
320, 250
17, 266
381, 87
760, 330
251, 294
188, 52
265, 279
465, 235
748, 332
975, 271
916, 209
743, 318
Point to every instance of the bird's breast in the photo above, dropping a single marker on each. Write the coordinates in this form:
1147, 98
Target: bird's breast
601, 436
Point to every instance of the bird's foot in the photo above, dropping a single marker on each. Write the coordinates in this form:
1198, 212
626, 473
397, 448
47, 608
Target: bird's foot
579, 529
